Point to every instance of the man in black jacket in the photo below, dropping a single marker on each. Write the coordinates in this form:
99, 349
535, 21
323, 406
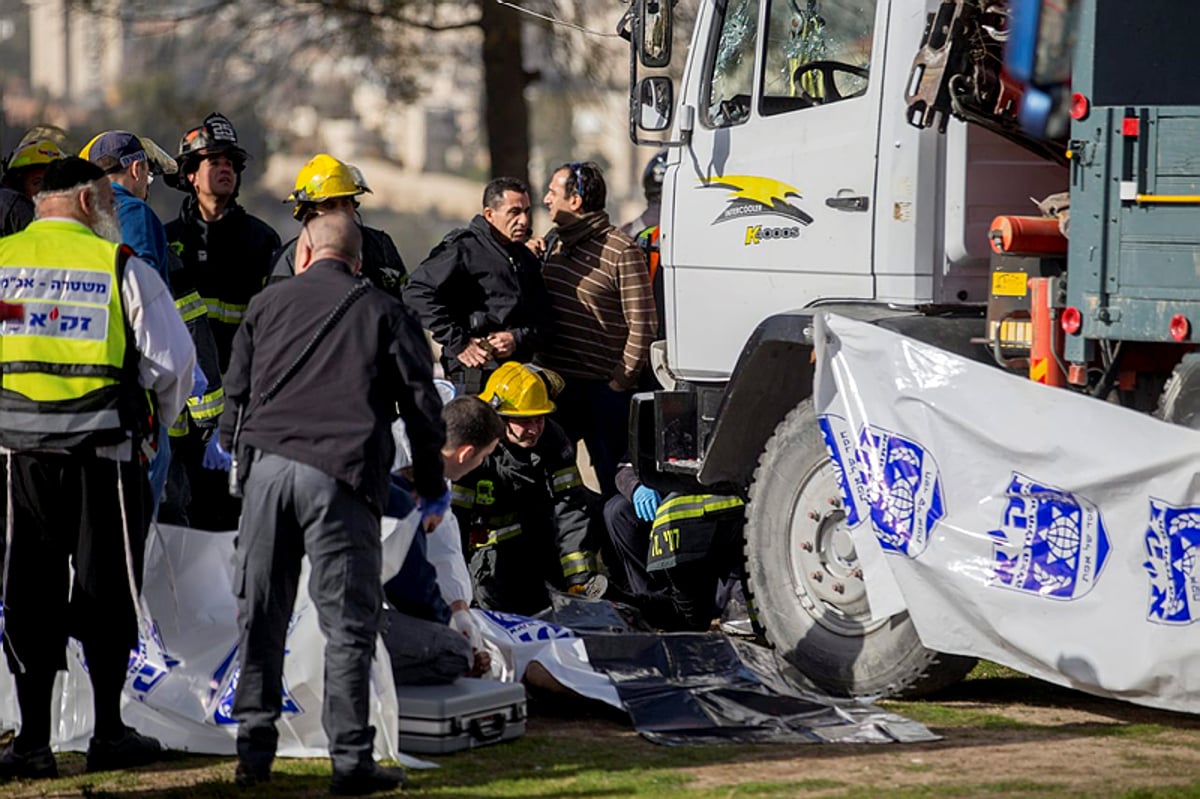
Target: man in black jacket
480, 291
318, 368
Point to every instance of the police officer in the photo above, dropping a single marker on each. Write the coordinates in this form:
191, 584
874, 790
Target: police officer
524, 513
326, 185
227, 254
101, 350
318, 369
480, 291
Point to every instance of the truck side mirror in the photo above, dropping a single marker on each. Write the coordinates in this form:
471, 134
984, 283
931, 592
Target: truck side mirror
655, 45
656, 100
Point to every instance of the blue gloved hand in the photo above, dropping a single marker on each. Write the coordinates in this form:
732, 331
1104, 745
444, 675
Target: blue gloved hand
432, 510
199, 382
159, 465
645, 502
215, 457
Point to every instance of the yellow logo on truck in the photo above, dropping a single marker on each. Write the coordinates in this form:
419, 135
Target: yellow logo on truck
754, 196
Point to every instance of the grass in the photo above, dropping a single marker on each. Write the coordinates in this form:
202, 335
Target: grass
598, 757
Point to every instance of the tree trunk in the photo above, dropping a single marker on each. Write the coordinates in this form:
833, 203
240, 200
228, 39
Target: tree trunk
506, 111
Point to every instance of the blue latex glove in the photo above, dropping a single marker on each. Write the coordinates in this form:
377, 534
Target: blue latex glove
645, 502
433, 508
199, 382
215, 457
159, 465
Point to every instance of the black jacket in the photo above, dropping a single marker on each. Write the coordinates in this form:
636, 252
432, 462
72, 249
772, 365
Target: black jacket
524, 515
335, 413
470, 271
381, 262
16, 212
229, 260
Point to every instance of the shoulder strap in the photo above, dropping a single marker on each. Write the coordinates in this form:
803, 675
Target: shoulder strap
335, 315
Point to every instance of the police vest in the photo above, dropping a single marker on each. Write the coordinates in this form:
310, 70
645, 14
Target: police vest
67, 367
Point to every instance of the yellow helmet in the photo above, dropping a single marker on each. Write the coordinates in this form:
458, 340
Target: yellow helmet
516, 389
323, 178
33, 152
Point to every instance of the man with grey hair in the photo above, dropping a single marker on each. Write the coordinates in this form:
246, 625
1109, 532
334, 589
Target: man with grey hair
318, 368
98, 351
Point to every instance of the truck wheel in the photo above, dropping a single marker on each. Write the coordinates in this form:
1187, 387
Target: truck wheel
806, 584
1180, 400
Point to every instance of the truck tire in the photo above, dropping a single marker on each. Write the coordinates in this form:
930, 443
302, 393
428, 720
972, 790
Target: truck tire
807, 587
1180, 400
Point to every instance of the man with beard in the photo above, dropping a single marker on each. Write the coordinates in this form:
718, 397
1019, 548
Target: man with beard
99, 350
480, 291
227, 254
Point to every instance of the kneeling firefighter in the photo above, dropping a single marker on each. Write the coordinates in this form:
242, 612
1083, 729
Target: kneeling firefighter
524, 513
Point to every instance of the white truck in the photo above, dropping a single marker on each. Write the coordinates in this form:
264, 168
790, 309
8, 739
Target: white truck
803, 174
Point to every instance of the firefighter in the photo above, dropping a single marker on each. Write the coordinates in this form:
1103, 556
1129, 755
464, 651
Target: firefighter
226, 256
672, 554
524, 514
21, 179
326, 185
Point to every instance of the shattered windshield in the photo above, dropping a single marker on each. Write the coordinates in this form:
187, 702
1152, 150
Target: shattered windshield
817, 52
732, 77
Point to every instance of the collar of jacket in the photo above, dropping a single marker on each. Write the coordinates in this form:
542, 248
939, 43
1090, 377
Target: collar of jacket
189, 212
483, 232
585, 227
331, 263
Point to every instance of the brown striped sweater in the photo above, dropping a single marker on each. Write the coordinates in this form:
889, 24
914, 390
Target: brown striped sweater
601, 303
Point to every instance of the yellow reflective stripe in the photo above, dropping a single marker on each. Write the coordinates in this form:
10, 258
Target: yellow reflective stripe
462, 497
229, 312
500, 534
207, 407
566, 478
576, 563
692, 506
179, 427
191, 306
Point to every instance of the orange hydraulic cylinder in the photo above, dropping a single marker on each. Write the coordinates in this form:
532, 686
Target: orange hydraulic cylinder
1045, 356
1027, 235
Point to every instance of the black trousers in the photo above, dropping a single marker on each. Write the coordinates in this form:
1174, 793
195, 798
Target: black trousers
292, 509
195, 496
67, 513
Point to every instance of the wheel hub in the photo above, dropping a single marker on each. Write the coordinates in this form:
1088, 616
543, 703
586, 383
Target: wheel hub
825, 567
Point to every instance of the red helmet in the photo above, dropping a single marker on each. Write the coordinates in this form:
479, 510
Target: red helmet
214, 135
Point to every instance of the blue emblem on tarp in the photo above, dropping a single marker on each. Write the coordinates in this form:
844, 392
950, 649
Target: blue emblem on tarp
523, 628
889, 479
222, 687
1052, 543
1171, 542
146, 671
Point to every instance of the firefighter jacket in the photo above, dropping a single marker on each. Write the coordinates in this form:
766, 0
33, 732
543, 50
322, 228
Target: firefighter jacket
381, 262
201, 412
692, 527
229, 259
470, 272
524, 521
70, 365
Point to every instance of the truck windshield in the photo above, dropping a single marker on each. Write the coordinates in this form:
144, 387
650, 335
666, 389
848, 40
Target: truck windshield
817, 52
731, 70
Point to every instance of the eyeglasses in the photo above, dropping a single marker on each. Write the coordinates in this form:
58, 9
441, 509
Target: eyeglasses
577, 169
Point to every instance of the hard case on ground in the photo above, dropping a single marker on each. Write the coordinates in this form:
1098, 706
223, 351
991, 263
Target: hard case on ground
436, 719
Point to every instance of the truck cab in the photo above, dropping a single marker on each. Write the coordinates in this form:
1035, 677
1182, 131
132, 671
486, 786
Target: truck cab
850, 155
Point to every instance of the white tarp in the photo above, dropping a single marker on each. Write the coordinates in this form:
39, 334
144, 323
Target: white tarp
1047, 531
182, 680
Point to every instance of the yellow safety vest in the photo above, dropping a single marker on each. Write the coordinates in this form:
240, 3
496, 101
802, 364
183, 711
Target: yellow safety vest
62, 365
